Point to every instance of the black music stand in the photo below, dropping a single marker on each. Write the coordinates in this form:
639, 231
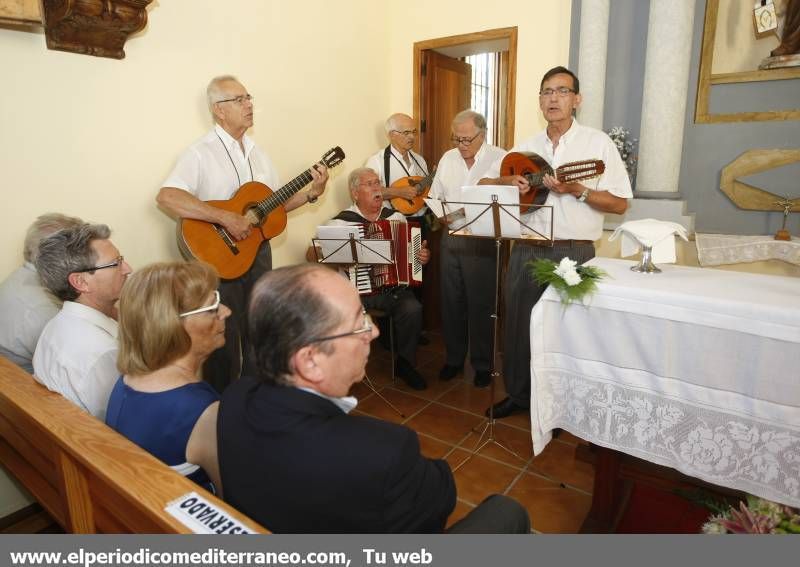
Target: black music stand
493, 208
349, 252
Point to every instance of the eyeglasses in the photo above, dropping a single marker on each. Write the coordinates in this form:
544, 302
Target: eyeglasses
560, 92
213, 307
406, 133
238, 99
373, 183
465, 141
367, 328
113, 264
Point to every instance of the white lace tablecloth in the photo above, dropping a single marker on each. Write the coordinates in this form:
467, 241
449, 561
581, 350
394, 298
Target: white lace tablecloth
693, 369
716, 249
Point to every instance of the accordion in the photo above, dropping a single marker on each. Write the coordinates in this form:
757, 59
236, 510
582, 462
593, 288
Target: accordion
406, 270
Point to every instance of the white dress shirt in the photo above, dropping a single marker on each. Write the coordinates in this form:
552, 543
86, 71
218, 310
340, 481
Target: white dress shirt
417, 167
214, 167
26, 307
571, 218
77, 357
452, 174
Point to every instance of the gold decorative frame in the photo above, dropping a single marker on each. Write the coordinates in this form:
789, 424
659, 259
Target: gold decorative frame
707, 79
747, 196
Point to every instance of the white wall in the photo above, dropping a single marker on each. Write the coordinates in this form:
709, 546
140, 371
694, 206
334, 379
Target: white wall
96, 137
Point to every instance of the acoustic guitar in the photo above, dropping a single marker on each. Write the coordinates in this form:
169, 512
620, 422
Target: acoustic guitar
423, 187
211, 243
533, 167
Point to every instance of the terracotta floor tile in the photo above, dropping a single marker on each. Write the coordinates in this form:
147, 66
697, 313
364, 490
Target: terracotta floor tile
552, 509
480, 477
558, 462
518, 440
467, 397
433, 448
461, 510
435, 387
521, 420
443, 423
407, 404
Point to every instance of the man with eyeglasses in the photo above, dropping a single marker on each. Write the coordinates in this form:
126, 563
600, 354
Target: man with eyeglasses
398, 160
292, 454
398, 301
467, 298
213, 168
577, 209
77, 352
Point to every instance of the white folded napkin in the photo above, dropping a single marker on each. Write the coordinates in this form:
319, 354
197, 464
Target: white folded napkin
650, 232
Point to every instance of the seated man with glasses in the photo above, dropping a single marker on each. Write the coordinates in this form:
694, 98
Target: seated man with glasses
398, 301
578, 213
77, 352
467, 264
398, 160
292, 455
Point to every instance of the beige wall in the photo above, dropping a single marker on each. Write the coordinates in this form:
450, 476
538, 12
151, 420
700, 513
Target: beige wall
95, 137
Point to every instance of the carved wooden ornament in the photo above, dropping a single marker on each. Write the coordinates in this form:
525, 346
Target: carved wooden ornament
93, 27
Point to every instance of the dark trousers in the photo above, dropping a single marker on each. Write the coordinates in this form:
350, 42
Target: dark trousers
497, 514
522, 293
225, 364
406, 312
467, 299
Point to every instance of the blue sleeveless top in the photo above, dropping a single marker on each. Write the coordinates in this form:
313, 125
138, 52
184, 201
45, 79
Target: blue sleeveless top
161, 422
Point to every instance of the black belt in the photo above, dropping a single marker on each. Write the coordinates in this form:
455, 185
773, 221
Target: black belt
551, 243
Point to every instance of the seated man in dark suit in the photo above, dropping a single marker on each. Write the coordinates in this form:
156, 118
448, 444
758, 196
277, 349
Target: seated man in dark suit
294, 459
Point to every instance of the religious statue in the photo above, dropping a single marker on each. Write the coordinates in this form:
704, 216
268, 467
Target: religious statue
787, 205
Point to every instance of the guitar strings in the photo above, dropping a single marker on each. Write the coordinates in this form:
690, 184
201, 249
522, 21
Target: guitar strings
235, 169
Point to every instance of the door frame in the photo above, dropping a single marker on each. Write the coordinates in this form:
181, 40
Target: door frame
495, 34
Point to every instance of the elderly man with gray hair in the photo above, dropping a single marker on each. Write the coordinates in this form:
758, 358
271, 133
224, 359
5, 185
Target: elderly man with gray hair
213, 168
467, 264
27, 306
77, 353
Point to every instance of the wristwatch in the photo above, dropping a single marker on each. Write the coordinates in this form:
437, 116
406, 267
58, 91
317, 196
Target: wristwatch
583, 195
310, 199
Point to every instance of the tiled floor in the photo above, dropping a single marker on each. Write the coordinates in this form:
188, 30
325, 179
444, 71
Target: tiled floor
555, 487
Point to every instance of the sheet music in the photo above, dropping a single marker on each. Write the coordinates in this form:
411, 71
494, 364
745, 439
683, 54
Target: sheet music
507, 196
452, 214
336, 249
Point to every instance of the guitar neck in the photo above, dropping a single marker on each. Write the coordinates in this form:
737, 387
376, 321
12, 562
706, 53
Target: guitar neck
279, 197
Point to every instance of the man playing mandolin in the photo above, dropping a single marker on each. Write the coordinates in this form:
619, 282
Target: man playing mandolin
577, 218
397, 161
213, 168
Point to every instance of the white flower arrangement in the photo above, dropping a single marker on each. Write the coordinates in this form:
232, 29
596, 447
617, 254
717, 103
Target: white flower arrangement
627, 148
571, 281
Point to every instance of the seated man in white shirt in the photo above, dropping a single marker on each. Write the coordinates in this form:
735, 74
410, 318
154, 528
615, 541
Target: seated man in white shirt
397, 301
77, 351
27, 306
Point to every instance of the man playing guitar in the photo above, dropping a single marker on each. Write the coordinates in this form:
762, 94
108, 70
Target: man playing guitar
213, 168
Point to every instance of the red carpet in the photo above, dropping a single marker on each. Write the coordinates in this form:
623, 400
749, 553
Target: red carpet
652, 511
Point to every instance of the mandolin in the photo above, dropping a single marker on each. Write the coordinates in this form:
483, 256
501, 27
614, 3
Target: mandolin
422, 185
533, 167
210, 242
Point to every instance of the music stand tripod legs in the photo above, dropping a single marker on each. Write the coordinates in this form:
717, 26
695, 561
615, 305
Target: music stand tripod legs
488, 424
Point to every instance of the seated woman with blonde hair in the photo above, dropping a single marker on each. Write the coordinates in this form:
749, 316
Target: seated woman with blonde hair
170, 321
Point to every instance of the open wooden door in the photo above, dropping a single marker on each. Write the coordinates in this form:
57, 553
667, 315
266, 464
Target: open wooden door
444, 92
